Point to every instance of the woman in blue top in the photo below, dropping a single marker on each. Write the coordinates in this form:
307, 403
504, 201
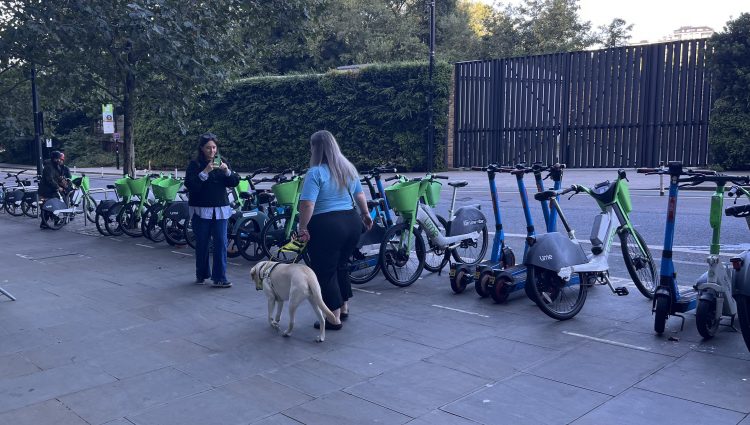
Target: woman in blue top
328, 220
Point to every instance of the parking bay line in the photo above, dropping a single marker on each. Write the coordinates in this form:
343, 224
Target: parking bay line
606, 341
367, 291
460, 311
145, 246
183, 253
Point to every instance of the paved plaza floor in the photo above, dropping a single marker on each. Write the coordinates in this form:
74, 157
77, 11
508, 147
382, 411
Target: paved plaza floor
113, 331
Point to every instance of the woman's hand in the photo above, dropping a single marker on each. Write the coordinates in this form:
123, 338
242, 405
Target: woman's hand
303, 235
224, 167
367, 221
209, 167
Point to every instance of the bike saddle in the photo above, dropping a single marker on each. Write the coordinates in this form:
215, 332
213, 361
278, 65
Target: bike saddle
546, 195
265, 197
458, 184
604, 192
245, 195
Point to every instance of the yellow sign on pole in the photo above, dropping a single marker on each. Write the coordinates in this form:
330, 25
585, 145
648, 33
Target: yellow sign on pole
108, 119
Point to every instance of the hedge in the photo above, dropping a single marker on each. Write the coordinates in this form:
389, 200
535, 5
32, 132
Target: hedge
378, 115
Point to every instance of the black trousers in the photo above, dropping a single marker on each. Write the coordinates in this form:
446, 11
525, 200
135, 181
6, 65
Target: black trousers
333, 237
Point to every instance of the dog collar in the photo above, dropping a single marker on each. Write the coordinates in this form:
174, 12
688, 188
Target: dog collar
265, 277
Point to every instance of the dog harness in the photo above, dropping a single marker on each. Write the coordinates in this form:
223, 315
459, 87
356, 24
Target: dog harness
266, 278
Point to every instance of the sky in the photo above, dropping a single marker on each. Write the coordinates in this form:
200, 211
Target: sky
654, 19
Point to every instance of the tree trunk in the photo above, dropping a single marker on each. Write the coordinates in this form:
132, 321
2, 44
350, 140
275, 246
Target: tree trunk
129, 154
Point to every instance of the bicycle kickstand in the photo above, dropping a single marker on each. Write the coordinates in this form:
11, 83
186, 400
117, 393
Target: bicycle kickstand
7, 294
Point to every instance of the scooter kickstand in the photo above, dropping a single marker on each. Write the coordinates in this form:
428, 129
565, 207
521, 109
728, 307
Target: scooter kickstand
731, 324
682, 324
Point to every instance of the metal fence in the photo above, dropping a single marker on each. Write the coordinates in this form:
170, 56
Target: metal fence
621, 107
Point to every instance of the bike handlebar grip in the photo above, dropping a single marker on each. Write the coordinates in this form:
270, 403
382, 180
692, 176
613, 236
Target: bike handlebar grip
436, 176
737, 211
390, 178
646, 170
479, 168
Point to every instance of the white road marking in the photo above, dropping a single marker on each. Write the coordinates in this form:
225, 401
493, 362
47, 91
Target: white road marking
25, 257
183, 253
460, 311
607, 341
365, 290
114, 239
233, 263
145, 246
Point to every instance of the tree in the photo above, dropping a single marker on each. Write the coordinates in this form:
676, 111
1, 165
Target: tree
730, 114
616, 34
117, 48
550, 26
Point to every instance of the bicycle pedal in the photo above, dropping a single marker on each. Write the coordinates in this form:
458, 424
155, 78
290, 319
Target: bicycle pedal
621, 291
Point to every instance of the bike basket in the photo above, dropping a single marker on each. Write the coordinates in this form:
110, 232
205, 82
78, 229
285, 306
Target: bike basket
123, 189
139, 187
286, 193
623, 196
81, 181
243, 187
403, 196
166, 189
432, 193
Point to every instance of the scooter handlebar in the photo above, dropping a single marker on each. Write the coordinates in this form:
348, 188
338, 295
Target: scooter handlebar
391, 178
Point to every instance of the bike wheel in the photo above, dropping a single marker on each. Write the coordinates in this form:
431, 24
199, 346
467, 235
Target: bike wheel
247, 240
89, 208
364, 264
110, 220
174, 231
233, 249
13, 208
52, 221
30, 207
640, 264
470, 252
556, 298
661, 311
743, 317
129, 219
151, 223
402, 267
273, 238
435, 257
99, 222
705, 318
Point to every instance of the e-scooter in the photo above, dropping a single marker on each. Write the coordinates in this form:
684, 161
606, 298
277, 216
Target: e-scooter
710, 296
741, 267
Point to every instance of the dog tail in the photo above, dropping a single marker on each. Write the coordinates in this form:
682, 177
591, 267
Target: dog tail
318, 299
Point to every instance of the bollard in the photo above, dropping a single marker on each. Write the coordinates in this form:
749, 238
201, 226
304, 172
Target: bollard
661, 184
175, 173
102, 172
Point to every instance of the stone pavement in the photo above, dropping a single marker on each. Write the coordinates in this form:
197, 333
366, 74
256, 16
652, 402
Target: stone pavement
112, 331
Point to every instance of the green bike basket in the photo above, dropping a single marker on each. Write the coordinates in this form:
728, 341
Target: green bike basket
403, 196
286, 193
80, 181
166, 189
139, 187
123, 189
243, 187
432, 193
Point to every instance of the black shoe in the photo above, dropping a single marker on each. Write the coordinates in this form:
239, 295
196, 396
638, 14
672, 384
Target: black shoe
43, 225
225, 284
329, 326
344, 316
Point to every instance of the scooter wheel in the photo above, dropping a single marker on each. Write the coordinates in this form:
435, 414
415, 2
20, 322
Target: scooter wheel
458, 283
705, 318
482, 286
660, 314
500, 290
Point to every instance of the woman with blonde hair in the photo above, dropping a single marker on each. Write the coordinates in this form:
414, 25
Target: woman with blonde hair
329, 222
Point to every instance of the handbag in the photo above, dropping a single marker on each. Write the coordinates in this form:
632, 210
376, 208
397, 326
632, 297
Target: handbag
359, 212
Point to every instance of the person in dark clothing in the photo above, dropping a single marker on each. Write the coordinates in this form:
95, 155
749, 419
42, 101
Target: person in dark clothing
54, 179
207, 179
329, 221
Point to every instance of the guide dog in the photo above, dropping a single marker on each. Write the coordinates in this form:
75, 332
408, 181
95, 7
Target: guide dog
290, 282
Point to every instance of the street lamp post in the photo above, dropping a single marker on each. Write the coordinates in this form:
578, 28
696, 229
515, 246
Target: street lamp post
430, 109
37, 122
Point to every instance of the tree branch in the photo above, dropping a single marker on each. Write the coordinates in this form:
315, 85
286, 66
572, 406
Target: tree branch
14, 86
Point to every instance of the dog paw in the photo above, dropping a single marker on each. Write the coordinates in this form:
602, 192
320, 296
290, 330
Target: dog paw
275, 325
286, 333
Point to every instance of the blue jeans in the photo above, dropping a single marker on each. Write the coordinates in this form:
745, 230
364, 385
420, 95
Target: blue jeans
204, 230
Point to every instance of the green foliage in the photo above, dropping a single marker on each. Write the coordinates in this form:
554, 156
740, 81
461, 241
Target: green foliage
82, 149
729, 135
378, 115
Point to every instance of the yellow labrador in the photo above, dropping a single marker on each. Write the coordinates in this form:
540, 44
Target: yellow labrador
294, 283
